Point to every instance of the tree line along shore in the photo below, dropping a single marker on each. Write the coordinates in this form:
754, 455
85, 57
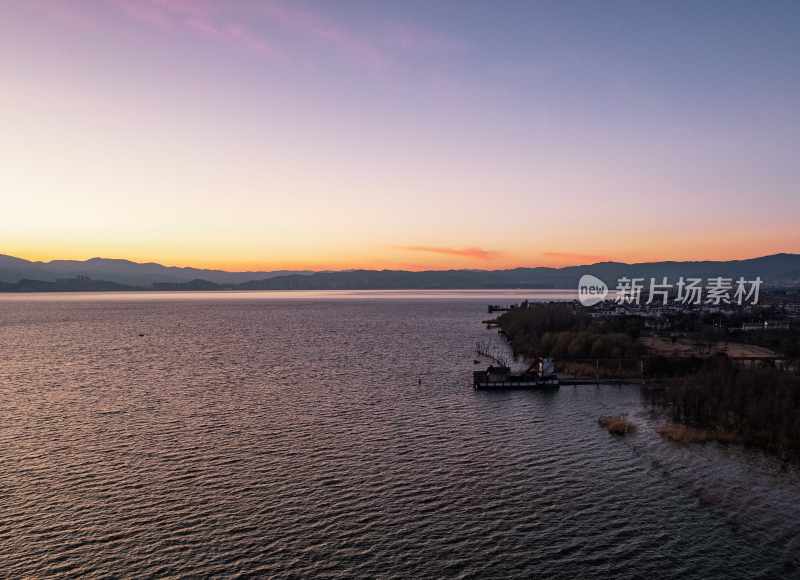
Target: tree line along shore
711, 381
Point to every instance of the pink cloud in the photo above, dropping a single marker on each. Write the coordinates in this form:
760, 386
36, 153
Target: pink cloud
472, 252
198, 17
318, 28
232, 23
242, 37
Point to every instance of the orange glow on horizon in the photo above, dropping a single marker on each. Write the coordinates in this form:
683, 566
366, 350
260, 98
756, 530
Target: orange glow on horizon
416, 157
397, 262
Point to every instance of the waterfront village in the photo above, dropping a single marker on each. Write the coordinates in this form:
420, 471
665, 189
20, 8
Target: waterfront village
717, 372
655, 338
778, 310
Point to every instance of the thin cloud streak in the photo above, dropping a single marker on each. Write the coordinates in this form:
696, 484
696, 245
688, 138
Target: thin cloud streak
472, 252
314, 26
217, 21
244, 26
196, 17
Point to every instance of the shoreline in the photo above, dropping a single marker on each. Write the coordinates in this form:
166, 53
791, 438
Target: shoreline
706, 386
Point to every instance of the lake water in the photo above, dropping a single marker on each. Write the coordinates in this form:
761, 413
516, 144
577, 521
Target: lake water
288, 435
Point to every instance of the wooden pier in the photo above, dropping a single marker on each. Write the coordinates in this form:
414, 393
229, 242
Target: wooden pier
640, 369
490, 380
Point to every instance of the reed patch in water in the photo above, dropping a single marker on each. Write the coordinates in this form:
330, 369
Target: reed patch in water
617, 425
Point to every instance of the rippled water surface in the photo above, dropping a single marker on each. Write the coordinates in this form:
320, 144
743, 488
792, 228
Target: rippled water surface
291, 437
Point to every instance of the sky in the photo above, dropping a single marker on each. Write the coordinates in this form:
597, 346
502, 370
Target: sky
273, 134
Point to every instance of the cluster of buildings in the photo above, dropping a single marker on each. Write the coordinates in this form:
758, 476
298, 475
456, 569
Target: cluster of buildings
748, 318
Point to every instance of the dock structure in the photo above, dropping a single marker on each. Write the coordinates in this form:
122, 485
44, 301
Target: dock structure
482, 381
580, 381
494, 353
497, 308
640, 369
644, 362
540, 375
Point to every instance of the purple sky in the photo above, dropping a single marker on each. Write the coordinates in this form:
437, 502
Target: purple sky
399, 134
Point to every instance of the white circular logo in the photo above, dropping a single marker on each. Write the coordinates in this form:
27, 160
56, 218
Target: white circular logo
591, 290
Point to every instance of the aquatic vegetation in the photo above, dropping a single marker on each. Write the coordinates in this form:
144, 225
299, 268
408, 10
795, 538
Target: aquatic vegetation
617, 425
723, 402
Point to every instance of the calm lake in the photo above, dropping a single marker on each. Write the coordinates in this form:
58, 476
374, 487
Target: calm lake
287, 434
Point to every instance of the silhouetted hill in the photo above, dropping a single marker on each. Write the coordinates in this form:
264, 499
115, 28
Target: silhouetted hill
67, 285
401, 279
197, 284
775, 270
780, 269
122, 271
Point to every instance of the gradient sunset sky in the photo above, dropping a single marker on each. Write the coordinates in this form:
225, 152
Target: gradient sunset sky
270, 134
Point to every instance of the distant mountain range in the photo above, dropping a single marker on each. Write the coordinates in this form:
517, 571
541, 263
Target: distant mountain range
123, 272
102, 274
